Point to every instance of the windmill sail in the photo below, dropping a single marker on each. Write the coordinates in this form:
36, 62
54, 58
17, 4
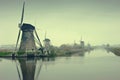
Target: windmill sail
22, 17
19, 25
17, 40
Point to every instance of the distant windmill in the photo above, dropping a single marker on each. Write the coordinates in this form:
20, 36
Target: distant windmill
82, 44
27, 44
47, 45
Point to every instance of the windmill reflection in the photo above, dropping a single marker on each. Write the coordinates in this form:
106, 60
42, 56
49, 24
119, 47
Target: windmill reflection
30, 68
27, 70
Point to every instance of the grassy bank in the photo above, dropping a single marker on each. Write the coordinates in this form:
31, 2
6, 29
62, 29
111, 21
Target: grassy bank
5, 53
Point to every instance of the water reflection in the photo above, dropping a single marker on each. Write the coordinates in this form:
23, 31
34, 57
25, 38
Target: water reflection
30, 67
94, 66
114, 51
79, 53
27, 68
117, 53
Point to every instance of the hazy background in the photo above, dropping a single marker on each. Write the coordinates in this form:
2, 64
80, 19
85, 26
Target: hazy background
97, 21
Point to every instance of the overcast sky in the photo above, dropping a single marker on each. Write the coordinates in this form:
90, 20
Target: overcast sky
97, 21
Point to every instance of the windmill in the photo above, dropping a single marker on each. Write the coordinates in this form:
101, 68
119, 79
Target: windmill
82, 43
47, 45
27, 44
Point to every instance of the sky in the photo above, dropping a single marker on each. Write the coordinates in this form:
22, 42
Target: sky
65, 21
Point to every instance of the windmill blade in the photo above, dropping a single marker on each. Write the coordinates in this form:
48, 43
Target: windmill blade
20, 26
17, 40
22, 17
38, 39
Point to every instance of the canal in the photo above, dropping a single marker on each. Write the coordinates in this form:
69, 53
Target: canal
95, 65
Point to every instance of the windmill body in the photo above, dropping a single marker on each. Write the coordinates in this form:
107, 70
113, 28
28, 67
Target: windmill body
27, 40
82, 44
47, 45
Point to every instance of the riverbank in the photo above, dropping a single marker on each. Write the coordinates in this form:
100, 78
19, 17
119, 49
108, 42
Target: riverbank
5, 52
64, 50
115, 50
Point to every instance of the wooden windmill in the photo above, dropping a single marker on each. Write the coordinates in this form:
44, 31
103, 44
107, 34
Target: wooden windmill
27, 44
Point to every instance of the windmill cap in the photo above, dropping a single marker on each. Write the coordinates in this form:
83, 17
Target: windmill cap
47, 40
26, 26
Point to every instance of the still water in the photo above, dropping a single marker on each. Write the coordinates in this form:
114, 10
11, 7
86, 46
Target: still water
95, 65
